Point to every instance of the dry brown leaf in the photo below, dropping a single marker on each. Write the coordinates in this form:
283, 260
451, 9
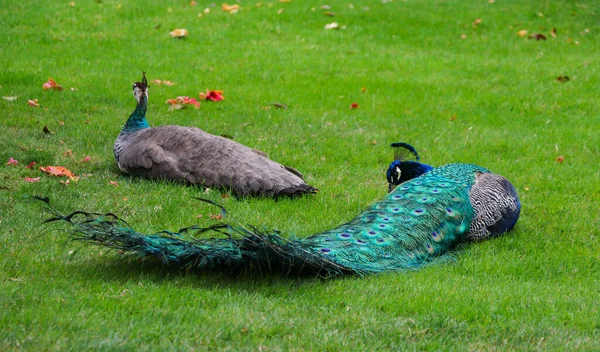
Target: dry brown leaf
538, 36
522, 33
46, 130
563, 79
553, 32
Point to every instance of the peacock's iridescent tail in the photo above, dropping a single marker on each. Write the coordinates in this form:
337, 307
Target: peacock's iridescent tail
420, 221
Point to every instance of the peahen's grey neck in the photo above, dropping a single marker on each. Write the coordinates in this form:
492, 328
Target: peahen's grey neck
136, 121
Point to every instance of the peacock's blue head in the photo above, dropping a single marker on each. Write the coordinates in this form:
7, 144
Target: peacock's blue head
140, 89
402, 169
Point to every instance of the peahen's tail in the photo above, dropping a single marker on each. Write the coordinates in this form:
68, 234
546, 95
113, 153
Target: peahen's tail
239, 248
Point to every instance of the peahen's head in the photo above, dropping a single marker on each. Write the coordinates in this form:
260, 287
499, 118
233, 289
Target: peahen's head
402, 169
140, 89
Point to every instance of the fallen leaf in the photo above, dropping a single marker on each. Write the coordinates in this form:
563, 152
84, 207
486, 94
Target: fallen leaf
553, 32
59, 171
560, 159
280, 106
113, 183
212, 95
325, 7
280, 11
46, 130
330, 14
373, 142
182, 101
193, 3
72, 3
537, 36
216, 216
87, 175
33, 102
30, 165
563, 79
522, 33
230, 8
62, 123
228, 136
68, 153
86, 159
332, 25
65, 183
453, 118
463, 36
179, 33
32, 179
52, 85
476, 23
165, 82
354, 106
10, 98
12, 162
225, 195
363, 89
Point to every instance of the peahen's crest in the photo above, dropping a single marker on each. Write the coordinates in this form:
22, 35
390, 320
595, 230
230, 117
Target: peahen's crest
416, 224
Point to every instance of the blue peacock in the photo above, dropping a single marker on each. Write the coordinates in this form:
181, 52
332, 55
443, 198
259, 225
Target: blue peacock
428, 211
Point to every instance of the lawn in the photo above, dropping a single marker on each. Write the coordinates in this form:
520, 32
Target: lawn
453, 78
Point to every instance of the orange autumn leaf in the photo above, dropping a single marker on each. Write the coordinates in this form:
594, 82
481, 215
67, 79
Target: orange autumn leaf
113, 183
182, 101
32, 102
59, 171
230, 8
179, 33
51, 85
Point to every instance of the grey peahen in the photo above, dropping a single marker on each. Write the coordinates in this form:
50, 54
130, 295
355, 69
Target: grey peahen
194, 156
430, 211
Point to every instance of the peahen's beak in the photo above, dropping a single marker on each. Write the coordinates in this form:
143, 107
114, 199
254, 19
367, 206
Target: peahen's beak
391, 187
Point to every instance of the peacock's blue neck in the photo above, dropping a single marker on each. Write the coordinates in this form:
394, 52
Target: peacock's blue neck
137, 120
412, 169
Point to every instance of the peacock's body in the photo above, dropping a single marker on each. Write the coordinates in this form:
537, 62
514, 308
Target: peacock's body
431, 211
194, 156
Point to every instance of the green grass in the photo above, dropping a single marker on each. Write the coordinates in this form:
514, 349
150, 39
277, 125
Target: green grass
536, 288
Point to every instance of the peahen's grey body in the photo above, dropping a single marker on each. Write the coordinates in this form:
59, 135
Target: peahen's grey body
192, 155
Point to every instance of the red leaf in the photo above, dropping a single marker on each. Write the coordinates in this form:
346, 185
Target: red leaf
51, 85
31, 165
12, 162
212, 95
354, 106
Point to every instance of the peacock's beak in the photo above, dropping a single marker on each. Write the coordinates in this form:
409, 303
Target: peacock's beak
391, 187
